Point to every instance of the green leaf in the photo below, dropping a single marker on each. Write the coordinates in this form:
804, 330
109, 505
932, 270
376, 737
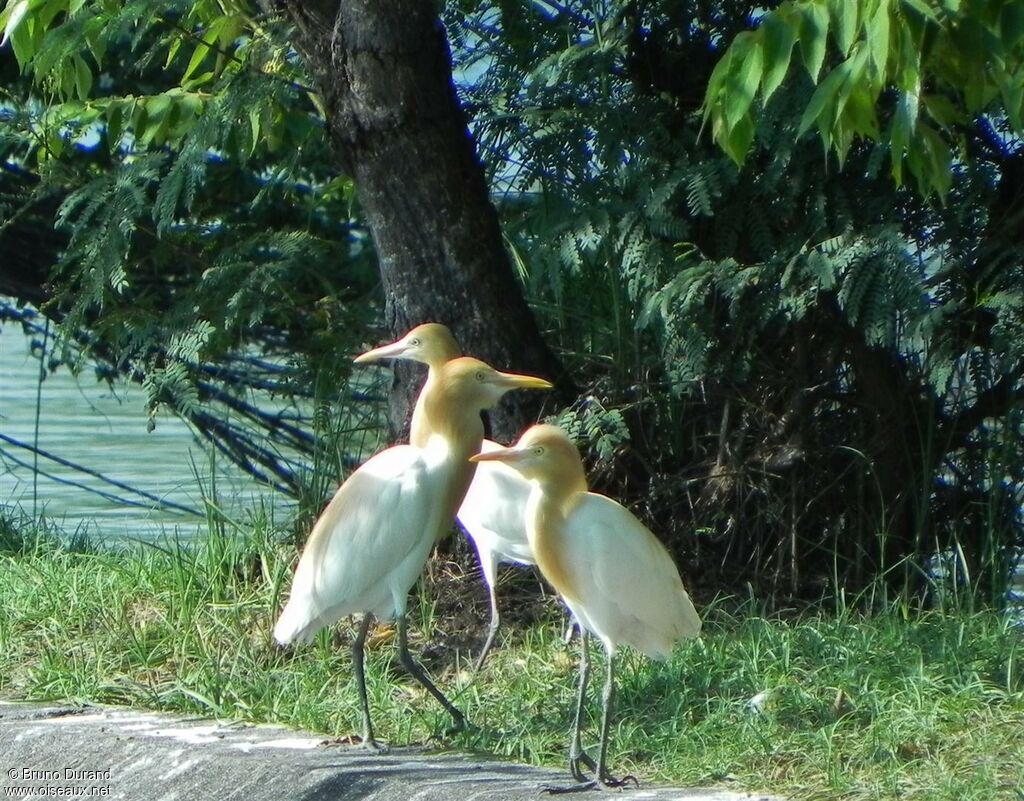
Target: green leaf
739, 91
1012, 89
941, 109
115, 119
213, 32
739, 139
716, 83
878, 36
940, 160
814, 37
906, 72
930, 161
22, 42
254, 128
11, 18
822, 102
904, 122
83, 78
844, 22
779, 37
853, 72
172, 51
1011, 25
922, 8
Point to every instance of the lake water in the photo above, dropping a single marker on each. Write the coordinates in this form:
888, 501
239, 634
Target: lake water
86, 423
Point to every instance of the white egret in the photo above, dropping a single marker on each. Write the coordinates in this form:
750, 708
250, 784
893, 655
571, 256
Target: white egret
612, 572
492, 511
371, 542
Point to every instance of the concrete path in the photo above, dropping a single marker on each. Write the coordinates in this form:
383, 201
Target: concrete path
55, 751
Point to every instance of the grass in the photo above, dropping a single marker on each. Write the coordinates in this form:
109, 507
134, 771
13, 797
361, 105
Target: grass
813, 706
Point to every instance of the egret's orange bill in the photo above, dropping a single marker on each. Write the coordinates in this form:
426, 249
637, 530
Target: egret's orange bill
519, 381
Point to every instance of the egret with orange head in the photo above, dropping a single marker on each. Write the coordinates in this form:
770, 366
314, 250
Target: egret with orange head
611, 571
370, 543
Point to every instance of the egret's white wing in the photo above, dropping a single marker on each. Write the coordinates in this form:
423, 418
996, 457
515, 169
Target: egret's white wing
628, 584
368, 545
493, 511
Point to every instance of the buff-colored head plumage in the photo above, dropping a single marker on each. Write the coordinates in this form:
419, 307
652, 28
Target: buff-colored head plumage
431, 344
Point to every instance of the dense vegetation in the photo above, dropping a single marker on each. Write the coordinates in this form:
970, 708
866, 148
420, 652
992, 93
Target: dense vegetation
803, 373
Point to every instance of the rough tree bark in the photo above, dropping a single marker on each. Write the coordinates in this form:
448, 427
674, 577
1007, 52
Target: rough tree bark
384, 71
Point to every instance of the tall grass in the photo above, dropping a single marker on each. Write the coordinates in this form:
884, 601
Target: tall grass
838, 706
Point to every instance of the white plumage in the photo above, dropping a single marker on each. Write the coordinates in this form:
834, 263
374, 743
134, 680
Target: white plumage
627, 589
369, 544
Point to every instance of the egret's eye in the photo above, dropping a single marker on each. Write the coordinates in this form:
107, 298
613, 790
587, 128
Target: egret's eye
538, 451
480, 375
415, 342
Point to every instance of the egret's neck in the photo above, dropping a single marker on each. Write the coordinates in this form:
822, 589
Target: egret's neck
419, 432
547, 511
442, 414
448, 425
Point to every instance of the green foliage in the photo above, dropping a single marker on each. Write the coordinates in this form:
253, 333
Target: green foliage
211, 249
789, 344
593, 426
909, 74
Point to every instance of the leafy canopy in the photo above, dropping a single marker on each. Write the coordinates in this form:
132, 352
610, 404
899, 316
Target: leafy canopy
910, 75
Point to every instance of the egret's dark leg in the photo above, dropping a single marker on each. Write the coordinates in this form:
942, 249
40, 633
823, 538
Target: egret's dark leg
577, 756
492, 629
357, 667
604, 780
459, 720
576, 753
608, 698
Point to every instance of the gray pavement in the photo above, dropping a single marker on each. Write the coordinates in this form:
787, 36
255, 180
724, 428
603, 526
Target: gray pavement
60, 751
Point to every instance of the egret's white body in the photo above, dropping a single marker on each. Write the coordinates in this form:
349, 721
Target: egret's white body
368, 547
614, 575
492, 513
621, 584
371, 541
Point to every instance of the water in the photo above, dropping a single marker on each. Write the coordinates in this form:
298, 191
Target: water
85, 422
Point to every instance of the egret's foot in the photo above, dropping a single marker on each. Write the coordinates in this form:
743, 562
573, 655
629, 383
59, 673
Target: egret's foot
578, 759
574, 788
375, 746
607, 782
367, 743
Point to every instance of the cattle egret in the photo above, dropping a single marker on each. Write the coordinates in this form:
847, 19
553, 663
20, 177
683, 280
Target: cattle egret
371, 542
492, 511
613, 574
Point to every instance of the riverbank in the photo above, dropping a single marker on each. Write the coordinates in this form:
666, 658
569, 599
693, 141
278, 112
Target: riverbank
838, 706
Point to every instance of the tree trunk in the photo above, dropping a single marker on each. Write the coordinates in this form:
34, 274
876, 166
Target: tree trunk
384, 71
